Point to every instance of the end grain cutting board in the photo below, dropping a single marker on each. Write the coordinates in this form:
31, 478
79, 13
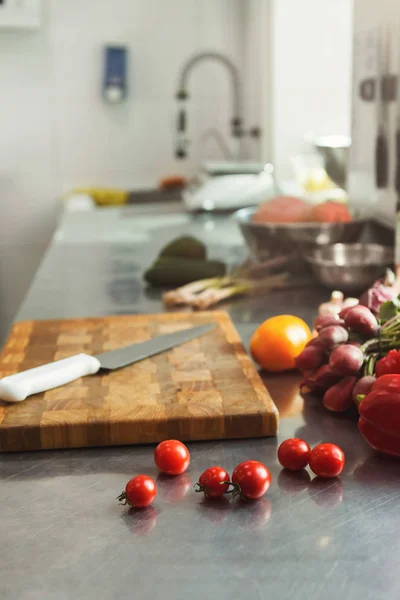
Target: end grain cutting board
204, 389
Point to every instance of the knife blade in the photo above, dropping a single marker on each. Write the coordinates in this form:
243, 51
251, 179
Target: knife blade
116, 359
15, 388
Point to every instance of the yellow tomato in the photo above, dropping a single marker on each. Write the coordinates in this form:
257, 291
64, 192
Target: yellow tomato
278, 341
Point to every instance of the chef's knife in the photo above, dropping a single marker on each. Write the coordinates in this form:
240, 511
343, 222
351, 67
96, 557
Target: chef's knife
15, 388
381, 148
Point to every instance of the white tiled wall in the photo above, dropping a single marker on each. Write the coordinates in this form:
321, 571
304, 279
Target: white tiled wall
56, 132
132, 144
311, 66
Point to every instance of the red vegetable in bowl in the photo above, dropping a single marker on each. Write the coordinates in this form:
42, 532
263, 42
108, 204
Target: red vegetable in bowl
328, 212
290, 209
283, 209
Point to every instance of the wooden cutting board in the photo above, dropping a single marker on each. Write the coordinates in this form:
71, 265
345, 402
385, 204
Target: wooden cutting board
205, 389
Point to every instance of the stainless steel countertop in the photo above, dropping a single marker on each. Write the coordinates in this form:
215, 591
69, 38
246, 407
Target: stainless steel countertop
62, 531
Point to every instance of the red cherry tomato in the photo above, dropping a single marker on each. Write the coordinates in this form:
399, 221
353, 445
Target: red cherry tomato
210, 482
140, 491
327, 460
172, 457
252, 479
294, 454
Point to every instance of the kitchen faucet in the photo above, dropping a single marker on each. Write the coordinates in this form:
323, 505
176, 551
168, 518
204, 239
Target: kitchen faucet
182, 95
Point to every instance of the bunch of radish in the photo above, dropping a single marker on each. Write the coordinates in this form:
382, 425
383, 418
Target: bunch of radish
332, 362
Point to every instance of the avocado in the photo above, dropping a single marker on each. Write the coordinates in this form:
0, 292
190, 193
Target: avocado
179, 271
185, 247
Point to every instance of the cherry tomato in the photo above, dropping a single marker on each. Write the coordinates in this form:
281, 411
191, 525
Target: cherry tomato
294, 454
252, 479
140, 491
210, 482
172, 457
327, 460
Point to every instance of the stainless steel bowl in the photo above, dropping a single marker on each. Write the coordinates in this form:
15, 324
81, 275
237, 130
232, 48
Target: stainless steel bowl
350, 266
270, 239
335, 150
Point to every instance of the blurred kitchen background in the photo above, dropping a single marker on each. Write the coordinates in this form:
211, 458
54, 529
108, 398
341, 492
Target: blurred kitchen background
59, 132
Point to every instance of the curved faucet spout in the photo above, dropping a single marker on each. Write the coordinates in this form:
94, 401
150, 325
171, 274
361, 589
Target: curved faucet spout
234, 73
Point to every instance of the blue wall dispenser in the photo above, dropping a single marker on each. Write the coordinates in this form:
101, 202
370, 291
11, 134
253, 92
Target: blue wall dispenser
115, 73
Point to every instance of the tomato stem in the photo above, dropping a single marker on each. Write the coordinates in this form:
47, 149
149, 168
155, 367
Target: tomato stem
123, 499
202, 488
236, 491
228, 483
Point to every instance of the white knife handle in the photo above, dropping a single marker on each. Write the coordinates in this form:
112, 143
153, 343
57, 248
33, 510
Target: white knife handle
15, 388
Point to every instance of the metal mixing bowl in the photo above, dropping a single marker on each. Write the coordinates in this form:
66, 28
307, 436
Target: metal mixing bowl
350, 266
335, 150
270, 239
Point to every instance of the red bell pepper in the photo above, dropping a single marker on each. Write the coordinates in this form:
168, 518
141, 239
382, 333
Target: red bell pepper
387, 382
379, 411
389, 364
